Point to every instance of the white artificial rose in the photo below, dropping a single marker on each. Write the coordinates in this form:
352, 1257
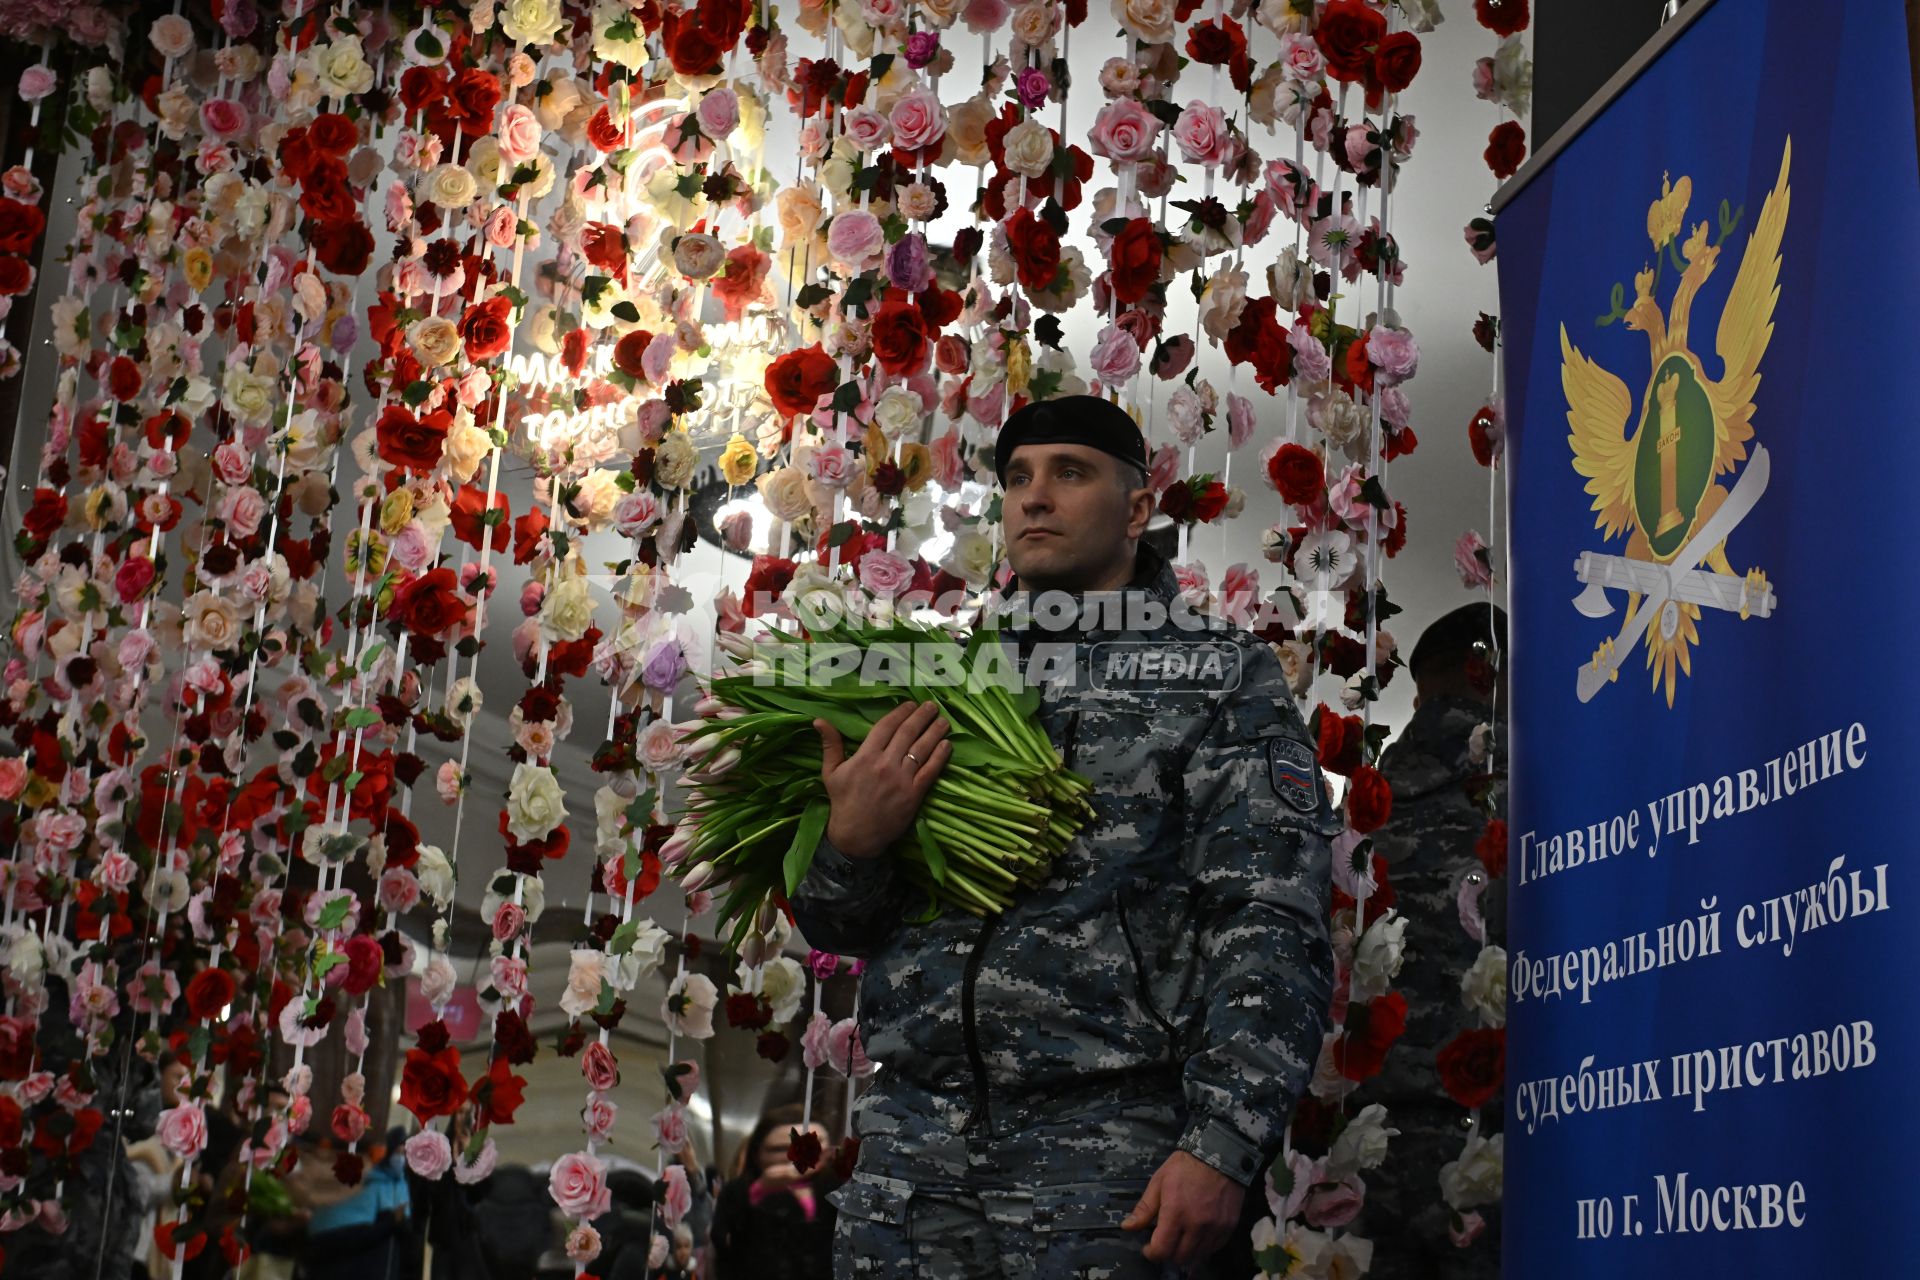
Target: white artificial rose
1377, 958
972, 557
897, 413
815, 597
648, 953
246, 394
435, 874
784, 984
599, 493
688, 1007
785, 493
1483, 987
535, 803
1362, 1144
451, 186
1475, 1178
1148, 21
530, 21
342, 68
1029, 148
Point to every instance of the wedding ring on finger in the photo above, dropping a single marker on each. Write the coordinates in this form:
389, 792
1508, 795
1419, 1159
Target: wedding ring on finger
913, 757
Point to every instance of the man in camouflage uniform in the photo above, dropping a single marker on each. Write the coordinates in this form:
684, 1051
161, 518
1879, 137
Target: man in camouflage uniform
1443, 791
1087, 1084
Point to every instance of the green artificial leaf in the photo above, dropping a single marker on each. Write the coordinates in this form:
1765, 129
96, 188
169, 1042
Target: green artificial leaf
334, 914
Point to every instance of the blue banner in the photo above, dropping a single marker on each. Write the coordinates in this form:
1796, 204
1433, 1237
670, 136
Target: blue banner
1709, 305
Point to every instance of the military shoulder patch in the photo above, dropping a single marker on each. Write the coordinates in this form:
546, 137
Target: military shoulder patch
1290, 767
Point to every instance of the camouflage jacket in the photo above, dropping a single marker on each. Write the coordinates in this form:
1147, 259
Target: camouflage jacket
1178, 950
1428, 844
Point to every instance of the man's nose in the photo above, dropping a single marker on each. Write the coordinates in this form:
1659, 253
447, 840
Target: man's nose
1035, 496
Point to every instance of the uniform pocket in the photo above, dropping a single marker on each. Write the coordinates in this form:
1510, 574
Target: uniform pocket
1099, 1206
872, 1198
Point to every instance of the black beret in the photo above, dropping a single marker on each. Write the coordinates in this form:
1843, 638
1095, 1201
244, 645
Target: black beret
1452, 638
1088, 420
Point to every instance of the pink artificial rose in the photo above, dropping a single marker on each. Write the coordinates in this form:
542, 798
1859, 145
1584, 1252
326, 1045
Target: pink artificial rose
679, 1197
578, 1184
885, 573
845, 1052
519, 135
856, 238
1240, 593
349, 1123
508, 921
13, 777
132, 578
1201, 132
719, 113
1300, 57
832, 465
502, 229
657, 360
1115, 357
509, 977
598, 1066
37, 82
598, 1117
1394, 353
1311, 363
1467, 1231
1240, 420
480, 1169
1164, 466
670, 1128
918, 119
1476, 574
1125, 131
183, 1130
531, 595
399, 890
1336, 1205
813, 1041
223, 118
429, 1155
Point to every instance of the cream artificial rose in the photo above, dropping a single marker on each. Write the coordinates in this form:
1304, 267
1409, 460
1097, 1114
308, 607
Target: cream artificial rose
171, 36
248, 395
967, 130
698, 255
466, 448
1029, 148
342, 69
435, 339
485, 163
1148, 21
1362, 1145
674, 460
897, 413
586, 971
1377, 958
535, 803
785, 493
530, 21
1222, 302
600, 492
567, 610
451, 186
435, 874
210, 621
1475, 1178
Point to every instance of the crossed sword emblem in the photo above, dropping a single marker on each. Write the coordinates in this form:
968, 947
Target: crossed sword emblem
1664, 587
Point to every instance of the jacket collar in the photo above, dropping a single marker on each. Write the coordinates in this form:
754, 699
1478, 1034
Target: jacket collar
1152, 575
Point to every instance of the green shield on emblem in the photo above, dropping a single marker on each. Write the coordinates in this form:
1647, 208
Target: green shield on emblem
1674, 460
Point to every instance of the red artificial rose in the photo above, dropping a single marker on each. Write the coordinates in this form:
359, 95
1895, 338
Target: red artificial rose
1502, 17
1492, 848
739, 283
1036, 250
605, 246
504, 1093
20, 226
1473, 1066
210, 991
333, 134
430, 604
421, 87
431, 1084
691, 48
1260, 340
1135, 257
410, 442
16, 275
344, 248
765, 581
470, 102
1340, 740
1397, 61
364, 962
573, 351
511, 1037
1371, 1030
1347, 34
527, 532
123, 379
796, 381
1506, 148
47, 514
939, 307
1480, 435
900, 339
487, 328
326, 192
1298, 474
1369, 800
803, 1151
469, 517
11, 1117
603, 133
296, 153
1210, 502
628, 353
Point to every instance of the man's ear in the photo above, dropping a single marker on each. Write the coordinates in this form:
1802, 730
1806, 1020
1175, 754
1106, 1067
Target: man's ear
1140, 511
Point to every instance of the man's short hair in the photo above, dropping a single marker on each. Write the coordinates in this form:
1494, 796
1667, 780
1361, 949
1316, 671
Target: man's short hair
1446, 645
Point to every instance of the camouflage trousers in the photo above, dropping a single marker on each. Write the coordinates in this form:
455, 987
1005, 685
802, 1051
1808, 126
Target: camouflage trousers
1042, 1204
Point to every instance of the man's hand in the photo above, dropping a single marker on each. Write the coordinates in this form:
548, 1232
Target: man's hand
1193, 1210
875, 794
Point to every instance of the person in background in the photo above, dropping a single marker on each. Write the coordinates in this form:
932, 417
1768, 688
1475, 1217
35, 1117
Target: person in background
445, 1218
770, 1223
626, 1228
1447, 779
366, 1235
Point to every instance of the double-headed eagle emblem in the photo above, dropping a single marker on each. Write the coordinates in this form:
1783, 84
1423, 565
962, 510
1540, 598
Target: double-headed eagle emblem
1661, 485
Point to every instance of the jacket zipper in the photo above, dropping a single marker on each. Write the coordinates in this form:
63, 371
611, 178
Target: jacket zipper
982, 1104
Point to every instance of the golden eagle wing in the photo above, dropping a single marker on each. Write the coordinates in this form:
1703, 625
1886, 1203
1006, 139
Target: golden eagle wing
1746, 326
1598, 408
